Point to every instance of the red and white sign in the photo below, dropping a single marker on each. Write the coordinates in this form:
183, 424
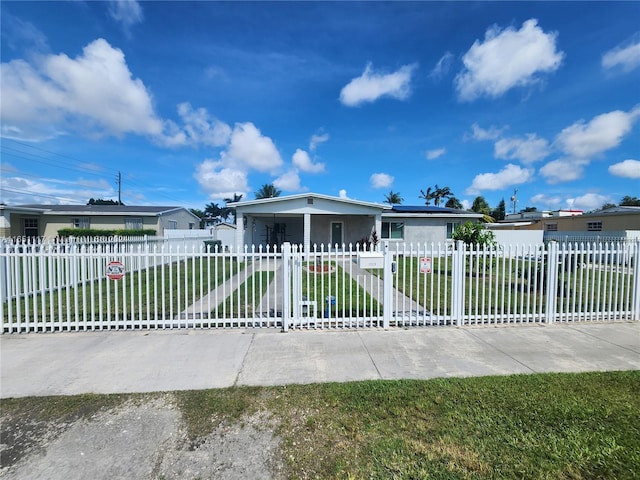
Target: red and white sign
115, 270
425, 265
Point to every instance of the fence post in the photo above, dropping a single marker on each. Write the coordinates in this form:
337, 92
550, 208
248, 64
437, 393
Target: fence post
4, 287
286, 285
635, 310
387, 286
457, 282
551, 276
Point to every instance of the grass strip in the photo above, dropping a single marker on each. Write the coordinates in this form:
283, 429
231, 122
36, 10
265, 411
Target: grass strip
567, 426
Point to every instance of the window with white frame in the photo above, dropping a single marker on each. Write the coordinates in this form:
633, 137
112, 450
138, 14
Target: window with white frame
31, 227
173, 225
594, 226
133, 223
81, 222
393, 230
451, 227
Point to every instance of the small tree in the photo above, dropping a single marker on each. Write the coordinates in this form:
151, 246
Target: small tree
474, 234
453, 202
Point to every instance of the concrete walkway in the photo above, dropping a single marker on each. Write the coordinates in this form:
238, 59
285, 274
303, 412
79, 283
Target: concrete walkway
147, 361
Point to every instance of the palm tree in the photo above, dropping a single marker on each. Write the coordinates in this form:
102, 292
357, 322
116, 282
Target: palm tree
440, 193
428, 196
393, 198
227, 211
267, 191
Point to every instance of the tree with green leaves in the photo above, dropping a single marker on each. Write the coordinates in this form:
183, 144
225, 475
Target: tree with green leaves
213, 212
453, 202
268, 190
200, 214
436, 194
473, 234
629, 201
528, 209
480, 205
426, 195
500, 211
229, 211
441, 193
393, 198
100, 201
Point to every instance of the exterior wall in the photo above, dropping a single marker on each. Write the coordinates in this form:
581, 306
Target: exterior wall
579, 223
354, 228
53, 223
182, 217
423, 230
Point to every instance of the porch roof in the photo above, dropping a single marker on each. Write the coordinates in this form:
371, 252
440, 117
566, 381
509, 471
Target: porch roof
312, 203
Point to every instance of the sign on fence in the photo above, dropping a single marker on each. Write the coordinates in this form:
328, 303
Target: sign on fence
115, 270
425, 264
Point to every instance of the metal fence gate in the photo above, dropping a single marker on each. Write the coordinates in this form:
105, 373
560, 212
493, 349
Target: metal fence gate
48, 286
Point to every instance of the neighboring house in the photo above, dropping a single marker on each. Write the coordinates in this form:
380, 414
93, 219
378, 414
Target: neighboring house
615, 222
313, 219
46, 220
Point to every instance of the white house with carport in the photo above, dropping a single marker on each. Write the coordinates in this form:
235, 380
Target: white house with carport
313, 219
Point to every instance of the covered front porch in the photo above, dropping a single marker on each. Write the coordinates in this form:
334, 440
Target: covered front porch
306, 220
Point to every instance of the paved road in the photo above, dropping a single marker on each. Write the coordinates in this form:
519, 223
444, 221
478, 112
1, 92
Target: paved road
147, 361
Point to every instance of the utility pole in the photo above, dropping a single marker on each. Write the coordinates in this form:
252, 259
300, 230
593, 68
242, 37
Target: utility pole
514, 199
119, 188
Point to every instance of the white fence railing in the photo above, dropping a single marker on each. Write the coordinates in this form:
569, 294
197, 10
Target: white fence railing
142, 285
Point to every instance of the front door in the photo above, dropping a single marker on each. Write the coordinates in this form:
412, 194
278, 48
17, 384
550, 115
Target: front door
336, 233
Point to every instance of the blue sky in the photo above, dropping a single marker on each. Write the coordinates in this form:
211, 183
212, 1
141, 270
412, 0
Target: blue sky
195, 101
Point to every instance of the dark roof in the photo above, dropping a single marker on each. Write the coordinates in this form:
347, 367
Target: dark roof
102, 208
425, 209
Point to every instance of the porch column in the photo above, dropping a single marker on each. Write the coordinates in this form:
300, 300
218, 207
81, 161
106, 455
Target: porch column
307, 235
239, 231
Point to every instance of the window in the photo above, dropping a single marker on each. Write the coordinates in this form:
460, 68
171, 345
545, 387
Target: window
31, 227
551, 227
173, 225
393, 230
451, 226
191, 225
81, 222
133, 223
594, 226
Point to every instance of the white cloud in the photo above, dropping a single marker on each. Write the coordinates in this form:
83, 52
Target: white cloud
528, 150
219, 181
247, 150
370, 86
563, 170
549, 202
602, 133
509, 175
381, 180
250, 149
317, 139
198, 127
436, 153
627, 168
342, 193
625, 56
442, 67
303, 162
589, 201
289, 181
93, 94
506, 59
478, 133
126, 12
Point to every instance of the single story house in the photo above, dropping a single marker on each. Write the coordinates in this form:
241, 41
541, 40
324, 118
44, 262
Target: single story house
314, 219
46, 220
614, 222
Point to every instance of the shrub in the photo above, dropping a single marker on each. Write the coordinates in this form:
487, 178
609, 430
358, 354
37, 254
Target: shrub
474, 234
89, 232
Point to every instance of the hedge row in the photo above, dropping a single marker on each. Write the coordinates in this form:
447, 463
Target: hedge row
90, 232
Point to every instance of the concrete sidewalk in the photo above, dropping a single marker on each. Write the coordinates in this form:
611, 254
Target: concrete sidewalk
149, 361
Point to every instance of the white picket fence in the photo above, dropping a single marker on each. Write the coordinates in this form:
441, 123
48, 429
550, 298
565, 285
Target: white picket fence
98, 285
